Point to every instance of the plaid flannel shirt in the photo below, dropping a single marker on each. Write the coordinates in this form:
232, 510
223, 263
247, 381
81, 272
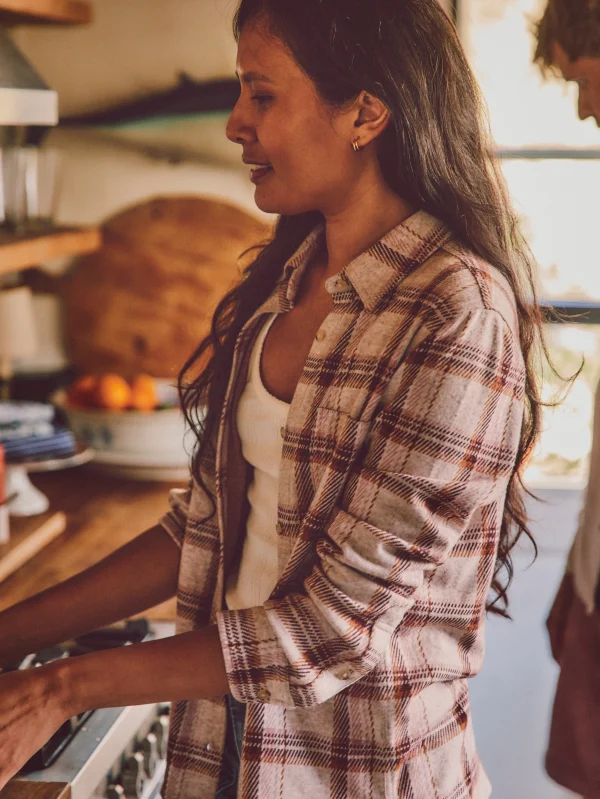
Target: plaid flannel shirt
400, 442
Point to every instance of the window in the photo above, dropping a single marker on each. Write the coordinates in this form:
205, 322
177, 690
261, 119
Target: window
551, 162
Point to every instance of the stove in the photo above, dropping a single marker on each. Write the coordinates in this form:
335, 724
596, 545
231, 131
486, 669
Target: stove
117, 753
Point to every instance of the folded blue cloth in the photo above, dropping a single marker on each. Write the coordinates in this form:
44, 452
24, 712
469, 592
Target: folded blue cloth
15, 430
24, 420
60, 444
22, 411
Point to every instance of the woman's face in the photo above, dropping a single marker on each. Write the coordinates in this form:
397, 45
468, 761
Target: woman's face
586, 73
303, 149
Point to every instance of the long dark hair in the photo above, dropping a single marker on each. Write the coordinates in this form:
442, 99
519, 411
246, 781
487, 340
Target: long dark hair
436, 154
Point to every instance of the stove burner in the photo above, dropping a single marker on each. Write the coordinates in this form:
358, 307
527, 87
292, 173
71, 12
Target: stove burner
122, 634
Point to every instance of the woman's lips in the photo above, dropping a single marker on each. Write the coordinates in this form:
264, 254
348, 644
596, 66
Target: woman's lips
259, 171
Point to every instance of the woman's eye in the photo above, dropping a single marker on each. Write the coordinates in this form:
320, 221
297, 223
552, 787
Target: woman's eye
262, 99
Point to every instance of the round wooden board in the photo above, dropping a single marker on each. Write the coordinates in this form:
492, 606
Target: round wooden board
145, 299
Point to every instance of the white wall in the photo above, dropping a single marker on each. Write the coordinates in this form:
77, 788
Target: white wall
134, 48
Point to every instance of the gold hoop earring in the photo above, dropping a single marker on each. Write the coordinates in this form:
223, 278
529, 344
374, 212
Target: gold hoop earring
356, 146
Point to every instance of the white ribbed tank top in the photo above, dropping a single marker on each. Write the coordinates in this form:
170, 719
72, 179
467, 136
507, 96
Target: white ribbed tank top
261, 418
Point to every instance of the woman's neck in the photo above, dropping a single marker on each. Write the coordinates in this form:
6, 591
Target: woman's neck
361, 222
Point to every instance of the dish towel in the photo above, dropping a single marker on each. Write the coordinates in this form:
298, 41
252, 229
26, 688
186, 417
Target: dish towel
60, 444
27, 433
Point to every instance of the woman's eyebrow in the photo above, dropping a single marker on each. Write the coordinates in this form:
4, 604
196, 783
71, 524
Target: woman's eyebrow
250, 77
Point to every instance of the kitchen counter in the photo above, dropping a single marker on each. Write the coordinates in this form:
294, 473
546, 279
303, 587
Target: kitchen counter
35, 790
103, 513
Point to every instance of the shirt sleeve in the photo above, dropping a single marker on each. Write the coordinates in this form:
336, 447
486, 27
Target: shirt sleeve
175, 520
443, 444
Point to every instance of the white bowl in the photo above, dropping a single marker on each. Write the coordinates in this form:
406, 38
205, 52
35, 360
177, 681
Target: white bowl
130, 438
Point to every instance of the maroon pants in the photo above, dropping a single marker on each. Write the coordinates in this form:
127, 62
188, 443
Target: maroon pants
573, 757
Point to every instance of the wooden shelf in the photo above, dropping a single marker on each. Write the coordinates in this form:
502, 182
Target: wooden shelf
57, 12
22, 251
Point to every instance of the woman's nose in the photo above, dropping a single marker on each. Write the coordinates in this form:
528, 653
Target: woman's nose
238, 129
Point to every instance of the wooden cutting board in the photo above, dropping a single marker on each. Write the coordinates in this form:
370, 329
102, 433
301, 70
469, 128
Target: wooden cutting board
144, 301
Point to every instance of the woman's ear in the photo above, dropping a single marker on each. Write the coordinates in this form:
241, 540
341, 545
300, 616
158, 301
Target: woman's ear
372, 117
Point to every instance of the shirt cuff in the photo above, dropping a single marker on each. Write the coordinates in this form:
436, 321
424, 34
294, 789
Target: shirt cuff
258, 670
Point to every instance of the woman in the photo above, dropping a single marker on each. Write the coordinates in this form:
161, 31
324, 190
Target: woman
370, 399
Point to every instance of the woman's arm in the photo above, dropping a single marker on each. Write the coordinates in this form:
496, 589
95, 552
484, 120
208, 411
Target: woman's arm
186, 666
137, 576
34, 703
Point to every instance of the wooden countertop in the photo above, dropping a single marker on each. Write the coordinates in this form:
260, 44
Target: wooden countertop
103, 513
23, 789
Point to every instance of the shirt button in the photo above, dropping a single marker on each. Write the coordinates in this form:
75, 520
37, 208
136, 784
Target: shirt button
279, 528
282, 432
207, 747
321, 335
264, 695
344, 674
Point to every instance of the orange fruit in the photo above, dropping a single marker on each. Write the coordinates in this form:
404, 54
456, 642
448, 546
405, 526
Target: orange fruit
144, 396
83, 391
113, 392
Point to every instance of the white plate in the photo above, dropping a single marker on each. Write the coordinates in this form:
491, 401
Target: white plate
84, 454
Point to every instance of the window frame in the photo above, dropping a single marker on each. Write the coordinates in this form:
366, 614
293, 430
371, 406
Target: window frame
557, 311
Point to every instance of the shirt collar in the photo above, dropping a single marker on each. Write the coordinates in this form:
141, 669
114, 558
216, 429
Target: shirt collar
374, 272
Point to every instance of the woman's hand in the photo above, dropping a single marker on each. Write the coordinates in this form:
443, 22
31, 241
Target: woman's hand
33, 706
34, 703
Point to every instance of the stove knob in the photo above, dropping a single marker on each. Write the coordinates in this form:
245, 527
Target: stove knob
133, 777
149, 750
115, 792
161, 729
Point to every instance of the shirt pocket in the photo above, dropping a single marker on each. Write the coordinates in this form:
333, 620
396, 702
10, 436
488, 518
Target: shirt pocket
336, 443
336, 438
